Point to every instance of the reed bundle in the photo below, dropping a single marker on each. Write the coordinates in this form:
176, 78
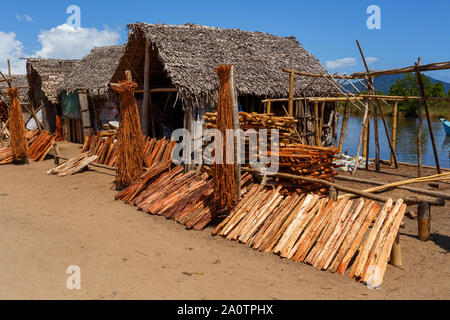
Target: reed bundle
130, 141
18, 144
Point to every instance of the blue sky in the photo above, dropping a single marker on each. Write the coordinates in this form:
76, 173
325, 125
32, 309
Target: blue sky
327, 29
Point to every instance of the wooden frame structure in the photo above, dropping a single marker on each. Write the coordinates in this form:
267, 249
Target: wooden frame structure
370, 102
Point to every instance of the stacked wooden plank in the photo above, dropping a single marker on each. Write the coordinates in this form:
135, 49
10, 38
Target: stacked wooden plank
41, 145
286, 125
308, 161
38, 146
106, 150
73, 165
183, 197
316, 230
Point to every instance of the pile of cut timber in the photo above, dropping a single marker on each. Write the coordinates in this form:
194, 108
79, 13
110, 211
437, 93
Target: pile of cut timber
308, 161
38, 146
41, 145
316, 230
286, 125
106, 150
183, 197
73, 165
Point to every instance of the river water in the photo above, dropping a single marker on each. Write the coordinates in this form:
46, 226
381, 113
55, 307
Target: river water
406, 142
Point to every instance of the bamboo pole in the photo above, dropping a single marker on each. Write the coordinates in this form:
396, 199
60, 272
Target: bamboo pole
358, 97
235, 110
394, 129
343, 127
419, 134
291, 94
430, 128
316, 123
359, 140
387, 135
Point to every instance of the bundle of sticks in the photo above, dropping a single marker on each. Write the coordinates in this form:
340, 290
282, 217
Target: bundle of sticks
73, 165
316, 230
183, 197
286, 125
41, 145
308, 161
106, 149
38, 146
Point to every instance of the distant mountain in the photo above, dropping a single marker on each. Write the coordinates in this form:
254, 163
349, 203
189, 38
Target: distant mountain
384, 83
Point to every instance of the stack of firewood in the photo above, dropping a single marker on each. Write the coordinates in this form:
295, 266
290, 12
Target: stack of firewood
183, 197
106, 150
324, 233
286, 125
308, 161
73, 165
41, 145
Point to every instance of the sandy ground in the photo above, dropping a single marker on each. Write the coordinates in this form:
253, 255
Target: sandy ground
48, 223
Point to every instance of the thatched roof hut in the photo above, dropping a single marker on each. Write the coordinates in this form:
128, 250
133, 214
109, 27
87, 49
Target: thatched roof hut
45, 75
19, 81
184, 56
93, 73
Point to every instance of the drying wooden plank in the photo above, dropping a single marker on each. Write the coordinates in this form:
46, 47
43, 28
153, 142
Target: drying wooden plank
381, 263
306, 241
360, 262
73, 165
381, 240
354, 238
345, 230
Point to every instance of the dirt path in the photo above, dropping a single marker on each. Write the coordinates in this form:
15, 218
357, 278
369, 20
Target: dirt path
48, 223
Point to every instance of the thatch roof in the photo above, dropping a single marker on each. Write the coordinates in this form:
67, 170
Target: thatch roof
94, 72
188, 53
19, 81
47, 74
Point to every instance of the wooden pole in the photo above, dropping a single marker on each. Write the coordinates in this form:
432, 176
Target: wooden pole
387, 134
365, 136
291, 94
316, 123
419, 136
423, 220
235, 110
368, 142
343, 127
377, 146
145, 102
269, 106
366, 118
425, 104
394, 130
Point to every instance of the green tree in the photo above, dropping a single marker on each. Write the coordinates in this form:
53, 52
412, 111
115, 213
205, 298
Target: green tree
408, 86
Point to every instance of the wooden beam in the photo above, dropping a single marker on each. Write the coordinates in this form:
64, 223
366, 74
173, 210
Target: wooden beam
291, 94
145, 102
394, 129
426, 67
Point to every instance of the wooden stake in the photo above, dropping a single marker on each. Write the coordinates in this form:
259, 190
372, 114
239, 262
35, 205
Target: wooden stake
291, 94
396, 253
269, 106
425, 104
387, 135
377, 146
394, 130
344, 126
419, 134
316, 123
423, 220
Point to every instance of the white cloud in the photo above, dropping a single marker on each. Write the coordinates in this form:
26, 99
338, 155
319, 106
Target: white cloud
24, 16
371, 60
340, 63
69, 42
11, 49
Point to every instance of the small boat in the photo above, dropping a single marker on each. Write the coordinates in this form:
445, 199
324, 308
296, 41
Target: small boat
446, 125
